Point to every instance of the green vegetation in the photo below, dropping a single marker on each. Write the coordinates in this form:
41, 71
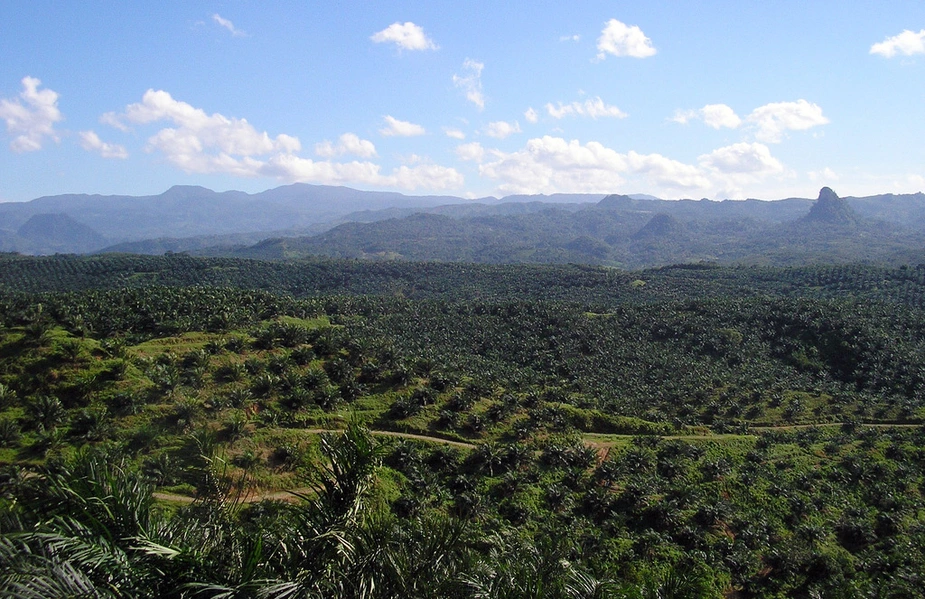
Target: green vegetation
184, 427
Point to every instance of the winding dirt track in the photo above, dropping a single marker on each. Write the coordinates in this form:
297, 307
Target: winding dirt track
289, 495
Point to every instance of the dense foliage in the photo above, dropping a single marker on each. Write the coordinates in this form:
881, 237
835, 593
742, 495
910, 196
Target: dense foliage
582, 284
459, 430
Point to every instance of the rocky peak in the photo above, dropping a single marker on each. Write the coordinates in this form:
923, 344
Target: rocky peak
831, 209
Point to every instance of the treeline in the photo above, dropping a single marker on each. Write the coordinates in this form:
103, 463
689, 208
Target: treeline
461, 281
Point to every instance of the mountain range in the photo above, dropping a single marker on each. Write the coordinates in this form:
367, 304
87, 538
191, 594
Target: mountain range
630, 231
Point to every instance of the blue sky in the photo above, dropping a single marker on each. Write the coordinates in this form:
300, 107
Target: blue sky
676, 99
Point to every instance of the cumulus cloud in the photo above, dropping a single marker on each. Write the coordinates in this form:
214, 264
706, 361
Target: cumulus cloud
196, 133
531, 115
552, 164
666, 172
906, 43
202, 143
720, 116
228, 25
739, 166
91, 142
472, 151
594, 108
619, 39
32, 117
773, 120
753, 159
349, 143
397, 128
406, 36
769, 122
501, 129
454, 133
471, 82
717, 116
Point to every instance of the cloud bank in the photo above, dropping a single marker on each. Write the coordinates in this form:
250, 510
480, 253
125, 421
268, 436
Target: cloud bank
198, 142
769, 123
553, 164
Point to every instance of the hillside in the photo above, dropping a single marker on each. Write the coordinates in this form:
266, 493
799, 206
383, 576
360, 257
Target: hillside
167, 424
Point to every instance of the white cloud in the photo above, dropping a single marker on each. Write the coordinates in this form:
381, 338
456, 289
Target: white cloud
739, 166
288, 167
552, 164
471, 82
570, 38
593, 108
91, 142
773, 120
114, 120
228, 25
717, 116
407, 36
32, 117
531, 115
906, 43
684, 116
501, 129
424, 176
619, 39
666, 172
200, 142
472, 151
742, 158
397, 128
349, 143
454, 133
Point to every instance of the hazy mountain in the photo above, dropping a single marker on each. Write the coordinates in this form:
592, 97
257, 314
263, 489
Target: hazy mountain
60, 233
630, 230
618, 230
188, 211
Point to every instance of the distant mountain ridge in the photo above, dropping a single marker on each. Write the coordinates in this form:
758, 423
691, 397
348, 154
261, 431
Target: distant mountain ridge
620, 231
624, 230
189, 211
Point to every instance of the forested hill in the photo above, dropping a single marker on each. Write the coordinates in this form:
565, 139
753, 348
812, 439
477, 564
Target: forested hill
463, 281
632, 233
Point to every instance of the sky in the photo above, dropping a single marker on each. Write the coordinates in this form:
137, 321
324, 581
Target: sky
715, 99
